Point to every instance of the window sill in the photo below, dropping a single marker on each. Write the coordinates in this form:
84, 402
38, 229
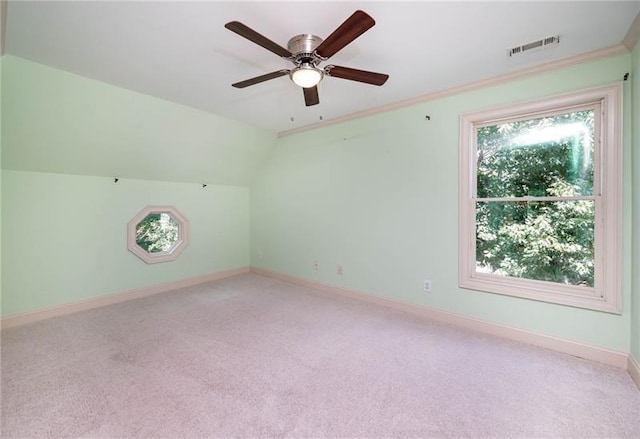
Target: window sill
568, 295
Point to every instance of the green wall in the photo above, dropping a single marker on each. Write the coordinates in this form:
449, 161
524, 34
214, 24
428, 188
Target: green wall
64, 219
379, 195
1, 234
65, 236
64, 123
635, 315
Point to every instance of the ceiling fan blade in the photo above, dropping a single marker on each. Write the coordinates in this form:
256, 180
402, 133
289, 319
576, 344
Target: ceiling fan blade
352, 28
372, 78
311, 96
261, 40
259, 79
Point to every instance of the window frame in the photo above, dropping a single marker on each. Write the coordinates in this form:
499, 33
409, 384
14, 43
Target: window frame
164, 256
606, 294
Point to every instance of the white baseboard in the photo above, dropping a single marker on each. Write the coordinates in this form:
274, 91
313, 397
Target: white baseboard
82, 305
594, 353
582, 350
634, 370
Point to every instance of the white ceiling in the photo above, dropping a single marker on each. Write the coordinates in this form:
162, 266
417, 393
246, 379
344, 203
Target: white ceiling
181, 51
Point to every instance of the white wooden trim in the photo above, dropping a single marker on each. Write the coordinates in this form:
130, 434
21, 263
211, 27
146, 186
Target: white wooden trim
496, 80
606, 294
634, 370
582, 350
633, 34
83, 305
165, 256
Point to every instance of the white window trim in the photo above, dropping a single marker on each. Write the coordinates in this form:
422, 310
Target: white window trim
166, 256
606, 295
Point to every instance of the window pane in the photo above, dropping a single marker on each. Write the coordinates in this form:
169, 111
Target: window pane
548, 156
548, 241
157, 232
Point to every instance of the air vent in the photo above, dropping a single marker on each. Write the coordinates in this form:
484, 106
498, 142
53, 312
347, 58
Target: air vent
544, 43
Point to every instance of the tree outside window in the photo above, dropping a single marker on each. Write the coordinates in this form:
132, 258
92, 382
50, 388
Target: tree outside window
549, 159
540, 190
158, 234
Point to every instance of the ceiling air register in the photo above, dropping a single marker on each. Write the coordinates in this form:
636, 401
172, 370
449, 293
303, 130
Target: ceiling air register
534, 46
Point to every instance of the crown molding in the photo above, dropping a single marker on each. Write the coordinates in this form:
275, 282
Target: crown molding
633, 34
496, 80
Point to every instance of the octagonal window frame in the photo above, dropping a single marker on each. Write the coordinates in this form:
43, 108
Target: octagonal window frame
164, 256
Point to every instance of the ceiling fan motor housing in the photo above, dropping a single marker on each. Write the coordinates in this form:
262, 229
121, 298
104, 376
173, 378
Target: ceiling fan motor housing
303, 46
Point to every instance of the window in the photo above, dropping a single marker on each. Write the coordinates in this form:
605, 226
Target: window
158, 234
540, 191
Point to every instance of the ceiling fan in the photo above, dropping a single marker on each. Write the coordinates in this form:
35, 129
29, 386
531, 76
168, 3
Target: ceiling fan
307, 51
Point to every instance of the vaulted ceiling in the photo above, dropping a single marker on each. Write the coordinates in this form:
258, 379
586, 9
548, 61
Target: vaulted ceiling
182, 52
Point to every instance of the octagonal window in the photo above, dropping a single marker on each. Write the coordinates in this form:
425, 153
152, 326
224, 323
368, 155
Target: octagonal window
158, 234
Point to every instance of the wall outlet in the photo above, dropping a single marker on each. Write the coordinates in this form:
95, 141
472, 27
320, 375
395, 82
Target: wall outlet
426, 286
339, 270
260, 254
316, 266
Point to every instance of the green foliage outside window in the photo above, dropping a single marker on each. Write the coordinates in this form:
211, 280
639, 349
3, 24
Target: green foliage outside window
157, 232
551, 237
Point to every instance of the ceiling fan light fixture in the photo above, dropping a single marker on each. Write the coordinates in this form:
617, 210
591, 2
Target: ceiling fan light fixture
306, 75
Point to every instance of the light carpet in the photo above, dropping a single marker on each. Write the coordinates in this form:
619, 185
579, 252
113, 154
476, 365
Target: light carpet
251, 356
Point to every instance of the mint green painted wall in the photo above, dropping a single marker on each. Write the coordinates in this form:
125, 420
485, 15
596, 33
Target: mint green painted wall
635, 315
64, 236
376, 195
64, 123
65, 138
379, 196
1, 58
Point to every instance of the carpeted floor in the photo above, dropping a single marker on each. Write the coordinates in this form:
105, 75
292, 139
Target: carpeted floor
251, 356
